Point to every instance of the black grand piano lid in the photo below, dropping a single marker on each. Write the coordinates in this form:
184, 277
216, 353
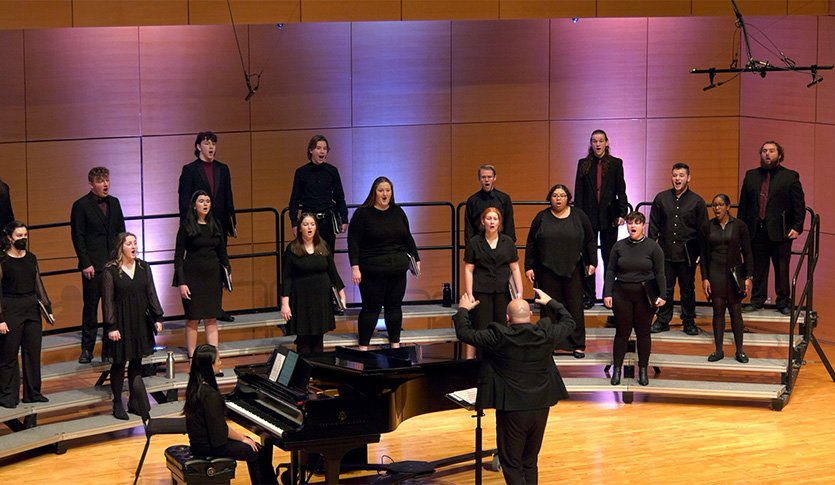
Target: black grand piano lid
376, 360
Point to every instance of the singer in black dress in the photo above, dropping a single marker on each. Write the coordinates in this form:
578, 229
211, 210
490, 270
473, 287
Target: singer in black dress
20, 318
128, 292
726, 244
199, 254
307, 277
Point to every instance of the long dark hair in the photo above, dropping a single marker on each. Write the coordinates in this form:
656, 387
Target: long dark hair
586, 165
201, 372
192, 228
369, 201
297, 245
312, 144
6, 243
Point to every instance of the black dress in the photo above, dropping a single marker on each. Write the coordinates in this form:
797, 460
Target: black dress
307, 280
197, 261
723, 249
124, 301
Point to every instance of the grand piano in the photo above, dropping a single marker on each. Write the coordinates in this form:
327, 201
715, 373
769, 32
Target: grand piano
332, 402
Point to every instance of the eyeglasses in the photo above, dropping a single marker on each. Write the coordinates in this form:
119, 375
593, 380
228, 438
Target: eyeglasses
560, 196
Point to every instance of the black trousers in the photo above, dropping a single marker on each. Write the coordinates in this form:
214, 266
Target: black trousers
632, 310
518, 439
91, 294
259, 463
608, 238
779, 255
492, 307
381, 286
569, 292
325, 226
117, 377
308, 344
686, 276
27, 337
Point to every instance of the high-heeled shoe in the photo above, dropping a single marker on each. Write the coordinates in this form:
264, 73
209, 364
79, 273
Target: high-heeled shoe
616, 371
643, 379
119, 410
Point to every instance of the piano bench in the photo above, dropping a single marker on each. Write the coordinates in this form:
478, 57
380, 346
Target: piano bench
187, 468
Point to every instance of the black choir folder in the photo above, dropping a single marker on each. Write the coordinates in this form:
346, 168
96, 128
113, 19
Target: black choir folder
45, 313
413, 267
227, 279
652, 291
738, 279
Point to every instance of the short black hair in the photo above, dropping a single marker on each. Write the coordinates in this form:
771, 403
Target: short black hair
203, 135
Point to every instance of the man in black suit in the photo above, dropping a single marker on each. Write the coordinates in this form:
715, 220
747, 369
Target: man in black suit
488, 196
6, 212
95, 221
772, 204
600, 191
206, 173
518, 378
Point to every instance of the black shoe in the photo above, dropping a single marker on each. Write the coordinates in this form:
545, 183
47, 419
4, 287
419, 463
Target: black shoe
38, 398
751, 308
579, 354
86, 357
659, 327
643, 379
785, 311
610, 322
219, 374
741, 358
7, 405
716, 356
30, 421
588, 304
225, 317
690, 328
119, 410
616, 376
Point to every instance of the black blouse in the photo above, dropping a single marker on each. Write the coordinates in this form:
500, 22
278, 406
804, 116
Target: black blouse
560, 244
492, 266
21, 277
374, 232
207, 428
635, 262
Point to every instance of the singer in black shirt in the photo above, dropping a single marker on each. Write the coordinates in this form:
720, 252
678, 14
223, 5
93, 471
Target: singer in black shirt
488, 196
317, 190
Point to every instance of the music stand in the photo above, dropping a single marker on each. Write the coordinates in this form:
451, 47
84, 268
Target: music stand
466, 399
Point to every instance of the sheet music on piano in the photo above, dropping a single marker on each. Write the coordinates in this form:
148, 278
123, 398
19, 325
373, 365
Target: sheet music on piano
464, 398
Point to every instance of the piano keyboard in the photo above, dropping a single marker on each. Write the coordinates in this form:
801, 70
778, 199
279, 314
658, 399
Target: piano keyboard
257, 416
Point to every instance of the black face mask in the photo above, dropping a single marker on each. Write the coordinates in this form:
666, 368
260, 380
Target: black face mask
20, 244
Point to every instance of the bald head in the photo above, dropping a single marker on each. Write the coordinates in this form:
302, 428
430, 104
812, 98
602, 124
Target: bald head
519, 311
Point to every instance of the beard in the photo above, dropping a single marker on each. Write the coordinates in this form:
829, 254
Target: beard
769, 165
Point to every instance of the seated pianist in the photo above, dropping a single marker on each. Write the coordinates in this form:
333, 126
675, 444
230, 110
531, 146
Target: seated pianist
208, 433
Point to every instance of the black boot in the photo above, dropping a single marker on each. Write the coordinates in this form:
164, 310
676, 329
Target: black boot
616, 372
642, 375
119, 410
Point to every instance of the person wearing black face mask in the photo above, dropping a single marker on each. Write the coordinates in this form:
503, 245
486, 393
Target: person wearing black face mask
20, 319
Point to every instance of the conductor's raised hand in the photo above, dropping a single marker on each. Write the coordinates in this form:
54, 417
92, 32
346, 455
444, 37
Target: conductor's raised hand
468, 302
541, 297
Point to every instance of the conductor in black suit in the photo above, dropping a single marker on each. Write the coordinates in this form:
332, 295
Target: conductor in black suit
6, 212
206, 173
772, 204
600, 191
518, 378
95, 221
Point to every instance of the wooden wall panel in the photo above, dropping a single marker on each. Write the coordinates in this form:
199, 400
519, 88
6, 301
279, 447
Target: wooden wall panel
797, 37
400, 76
446, 10
244, 11
81, 83
104, 13
498, 73
42, 14
713, 167
191, 80
273, 170
598, 69
518, 150
747, 7
264, 285
62, 178
13, 171
819, 179
643, 8
517, 9
12, 102
797, 140
824, 288
306, 80
65, 294
627, 141
825, 93
350, 10
677, 45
